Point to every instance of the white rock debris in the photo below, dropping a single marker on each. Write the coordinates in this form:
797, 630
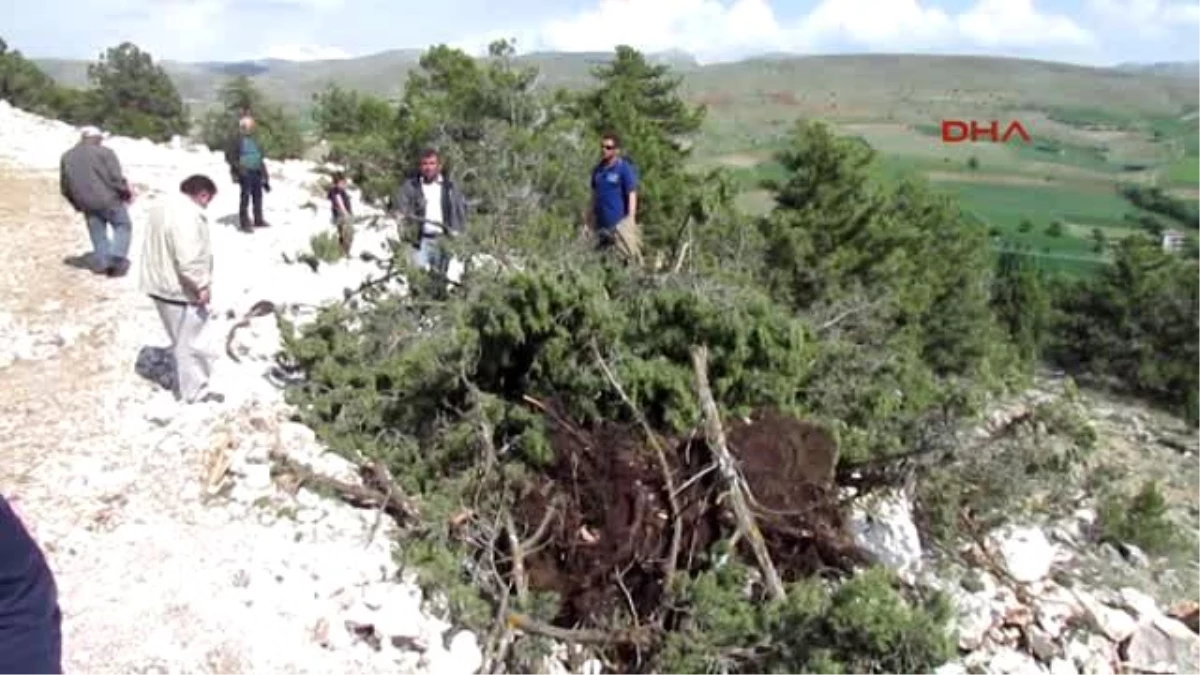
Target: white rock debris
164, 561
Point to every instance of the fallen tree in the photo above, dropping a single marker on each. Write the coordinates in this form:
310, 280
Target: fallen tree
593, 454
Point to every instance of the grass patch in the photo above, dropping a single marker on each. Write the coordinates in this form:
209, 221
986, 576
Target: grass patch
1088, 117
1185, 171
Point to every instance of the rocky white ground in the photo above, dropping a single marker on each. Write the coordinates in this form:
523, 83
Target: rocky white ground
173, 549
176, 551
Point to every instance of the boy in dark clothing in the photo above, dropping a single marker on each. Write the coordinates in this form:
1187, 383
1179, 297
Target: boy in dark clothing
30, 620
339, 204
248, 167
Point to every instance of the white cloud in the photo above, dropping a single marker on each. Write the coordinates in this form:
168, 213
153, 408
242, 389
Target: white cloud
721, 29
1149, 16
1017, 23
305, 53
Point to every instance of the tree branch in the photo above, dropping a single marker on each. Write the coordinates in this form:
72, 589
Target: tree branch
715, 436
661, 454
640, 636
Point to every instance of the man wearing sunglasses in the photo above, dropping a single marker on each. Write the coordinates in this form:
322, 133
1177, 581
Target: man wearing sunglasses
613, 215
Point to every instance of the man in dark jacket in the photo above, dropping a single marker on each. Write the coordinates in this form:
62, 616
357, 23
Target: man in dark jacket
90, 178
30, 620
248, 167
432, 207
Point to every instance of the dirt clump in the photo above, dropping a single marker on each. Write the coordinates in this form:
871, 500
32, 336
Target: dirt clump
611, 527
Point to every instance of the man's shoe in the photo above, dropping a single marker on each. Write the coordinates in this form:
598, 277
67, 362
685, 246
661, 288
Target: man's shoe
210, 397
262, 223
119, 267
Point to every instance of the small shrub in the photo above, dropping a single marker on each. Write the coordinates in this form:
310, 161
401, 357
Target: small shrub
1026, 225
864, 625
1141, 520
325, 247
1055, 229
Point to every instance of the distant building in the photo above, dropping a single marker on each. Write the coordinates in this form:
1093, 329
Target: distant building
1173, 240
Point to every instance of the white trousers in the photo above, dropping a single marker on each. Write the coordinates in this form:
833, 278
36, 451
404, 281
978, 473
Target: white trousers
184, 324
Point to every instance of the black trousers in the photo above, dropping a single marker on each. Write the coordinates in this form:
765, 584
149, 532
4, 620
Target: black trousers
30, 620
251, 183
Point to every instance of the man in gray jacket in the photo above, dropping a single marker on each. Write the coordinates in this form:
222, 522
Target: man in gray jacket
90, 178
434, 208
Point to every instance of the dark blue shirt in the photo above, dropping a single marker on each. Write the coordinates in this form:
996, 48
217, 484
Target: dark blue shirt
611, 186
30, 621
337, 197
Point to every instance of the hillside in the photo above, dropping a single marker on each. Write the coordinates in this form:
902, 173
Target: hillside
849, 85
1093, 129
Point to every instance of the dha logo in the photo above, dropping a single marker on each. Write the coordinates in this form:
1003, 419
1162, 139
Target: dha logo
957, 131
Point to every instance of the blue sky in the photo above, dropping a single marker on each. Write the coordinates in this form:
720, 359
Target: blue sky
1083, 31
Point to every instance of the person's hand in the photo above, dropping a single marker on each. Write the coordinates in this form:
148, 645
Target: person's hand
203, 297
266, 187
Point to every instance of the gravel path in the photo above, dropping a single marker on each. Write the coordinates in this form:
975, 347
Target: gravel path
165, 561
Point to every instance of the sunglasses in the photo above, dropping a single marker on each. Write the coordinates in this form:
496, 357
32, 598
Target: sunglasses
607, 146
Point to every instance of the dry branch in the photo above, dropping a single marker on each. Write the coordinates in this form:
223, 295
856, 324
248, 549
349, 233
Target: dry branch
640, 636
661, 454
715, 435
392, 502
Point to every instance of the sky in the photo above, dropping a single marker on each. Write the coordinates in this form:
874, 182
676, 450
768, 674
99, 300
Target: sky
1094, 32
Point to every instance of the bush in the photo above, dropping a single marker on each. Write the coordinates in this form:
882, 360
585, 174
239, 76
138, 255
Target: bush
278, 131
1135, 323
135, 97
1141, 520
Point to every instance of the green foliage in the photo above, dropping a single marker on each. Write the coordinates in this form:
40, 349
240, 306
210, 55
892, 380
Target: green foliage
1154, 200
134, 96
361, 132
513, 148
1026, 225
25, 86
1055, 228
1021, 303
871, 305
865, 625
898, 273
277, 130
641, 103
1135, 322
1141, 520
325, 247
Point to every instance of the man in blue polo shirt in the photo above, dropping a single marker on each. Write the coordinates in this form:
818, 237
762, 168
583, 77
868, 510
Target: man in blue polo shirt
613, 215
30, 621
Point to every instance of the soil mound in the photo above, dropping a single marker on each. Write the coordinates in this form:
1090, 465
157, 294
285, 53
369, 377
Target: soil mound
611, 522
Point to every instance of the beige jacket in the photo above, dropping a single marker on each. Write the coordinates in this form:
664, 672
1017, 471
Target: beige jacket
177, 257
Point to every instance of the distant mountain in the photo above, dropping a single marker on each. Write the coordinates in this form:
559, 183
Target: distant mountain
765, 92
1189, 69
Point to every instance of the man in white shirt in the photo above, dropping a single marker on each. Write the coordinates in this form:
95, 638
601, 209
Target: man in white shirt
432, 203
176, 273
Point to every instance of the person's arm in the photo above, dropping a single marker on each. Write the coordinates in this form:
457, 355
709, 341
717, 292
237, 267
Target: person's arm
266, 176
631, 187
193, 255
112, 174
458, 224
64, 183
